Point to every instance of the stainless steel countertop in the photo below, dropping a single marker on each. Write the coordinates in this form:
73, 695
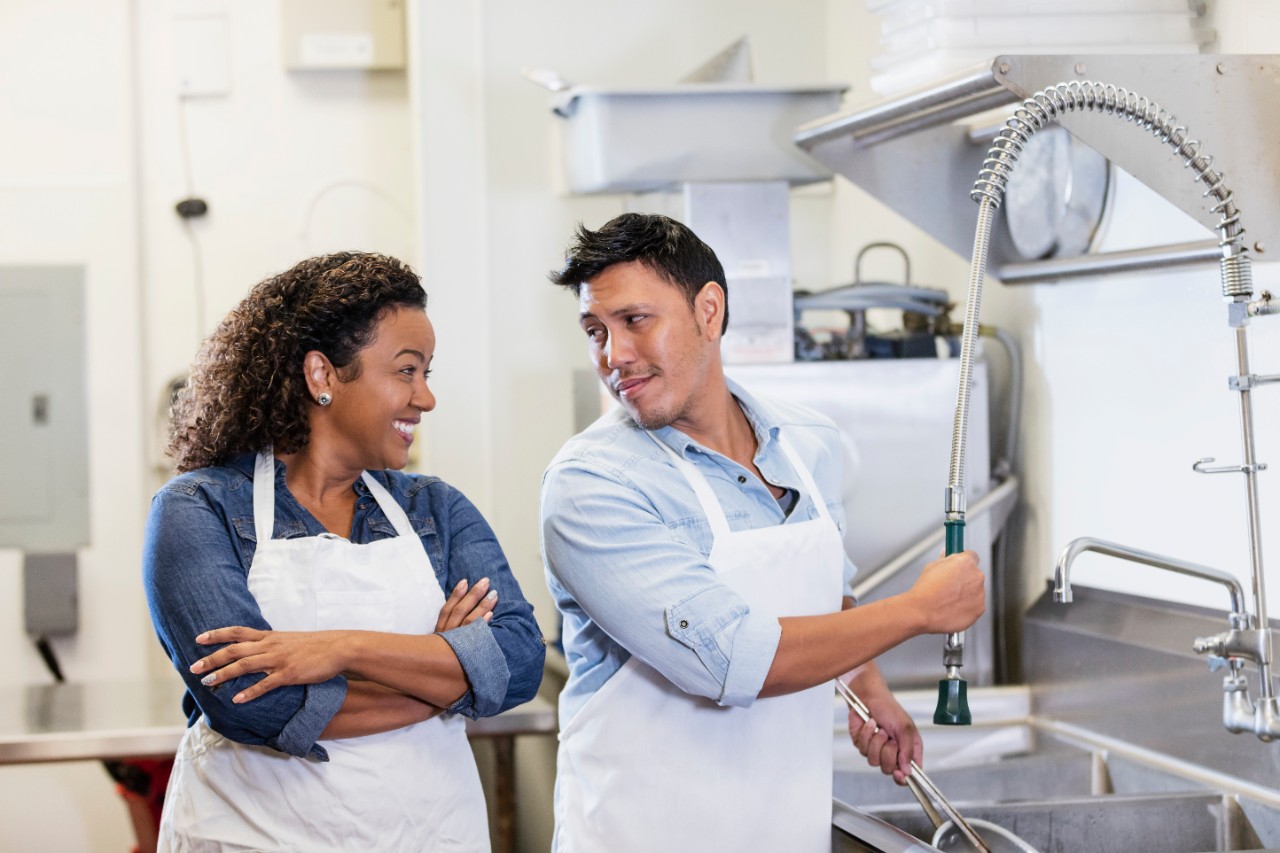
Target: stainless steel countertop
73, 722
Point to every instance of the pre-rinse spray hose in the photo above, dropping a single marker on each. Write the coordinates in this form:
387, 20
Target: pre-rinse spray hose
1040, 110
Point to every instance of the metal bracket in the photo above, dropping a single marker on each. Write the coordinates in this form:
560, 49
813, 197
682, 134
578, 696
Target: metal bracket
908, 149
1250, 381
1202, 467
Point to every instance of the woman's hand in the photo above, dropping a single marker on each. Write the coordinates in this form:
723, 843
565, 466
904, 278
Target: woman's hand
467, 605
287, 657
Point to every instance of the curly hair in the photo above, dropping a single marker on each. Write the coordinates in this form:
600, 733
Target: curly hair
247, 389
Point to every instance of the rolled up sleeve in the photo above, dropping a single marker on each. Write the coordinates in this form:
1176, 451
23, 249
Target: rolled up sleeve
735, 646
607, 548
502, 658
485, 667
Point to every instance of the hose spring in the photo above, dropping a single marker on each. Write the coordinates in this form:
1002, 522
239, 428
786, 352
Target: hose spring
1047, 105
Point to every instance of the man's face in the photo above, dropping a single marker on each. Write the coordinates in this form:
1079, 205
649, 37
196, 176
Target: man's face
653, 350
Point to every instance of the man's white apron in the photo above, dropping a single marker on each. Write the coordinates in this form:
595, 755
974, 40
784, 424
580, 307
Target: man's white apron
646, 767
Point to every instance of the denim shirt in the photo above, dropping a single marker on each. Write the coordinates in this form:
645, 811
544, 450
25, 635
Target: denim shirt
625, 546
199, 544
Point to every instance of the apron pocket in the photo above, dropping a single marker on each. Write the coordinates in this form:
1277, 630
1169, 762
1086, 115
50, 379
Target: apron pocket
354, 610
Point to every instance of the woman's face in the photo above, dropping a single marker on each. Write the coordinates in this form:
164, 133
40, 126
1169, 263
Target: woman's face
373, 416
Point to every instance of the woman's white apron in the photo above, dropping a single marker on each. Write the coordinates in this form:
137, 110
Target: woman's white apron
412, 789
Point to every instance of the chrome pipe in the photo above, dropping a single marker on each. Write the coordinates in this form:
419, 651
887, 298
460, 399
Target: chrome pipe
1062, 571
1193, 253
1250, 470
937, 99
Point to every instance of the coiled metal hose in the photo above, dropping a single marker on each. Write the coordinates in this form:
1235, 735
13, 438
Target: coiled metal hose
1036, 112
1040, 110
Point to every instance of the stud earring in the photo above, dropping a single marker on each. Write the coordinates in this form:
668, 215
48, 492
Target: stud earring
325, 398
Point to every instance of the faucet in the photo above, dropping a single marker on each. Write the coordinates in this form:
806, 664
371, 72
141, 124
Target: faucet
1240, 642
1249, 636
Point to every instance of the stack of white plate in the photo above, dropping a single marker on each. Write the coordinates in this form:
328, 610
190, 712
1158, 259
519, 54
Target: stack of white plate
923, 41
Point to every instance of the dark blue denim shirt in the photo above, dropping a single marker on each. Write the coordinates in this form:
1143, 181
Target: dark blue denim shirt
199, 544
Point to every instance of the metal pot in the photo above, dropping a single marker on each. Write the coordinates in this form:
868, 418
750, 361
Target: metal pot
948, 837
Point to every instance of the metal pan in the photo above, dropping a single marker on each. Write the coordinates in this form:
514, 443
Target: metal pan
998, 839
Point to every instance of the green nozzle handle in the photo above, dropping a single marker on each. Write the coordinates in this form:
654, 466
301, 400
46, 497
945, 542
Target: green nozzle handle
955, 536
953, 696
953, 703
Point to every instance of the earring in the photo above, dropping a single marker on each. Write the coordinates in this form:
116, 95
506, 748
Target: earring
325, 398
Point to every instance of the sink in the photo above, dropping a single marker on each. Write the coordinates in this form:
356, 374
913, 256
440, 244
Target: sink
1054, 792
1153, 823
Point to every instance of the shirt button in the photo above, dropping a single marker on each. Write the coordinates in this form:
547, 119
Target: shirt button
684, 623
742, 478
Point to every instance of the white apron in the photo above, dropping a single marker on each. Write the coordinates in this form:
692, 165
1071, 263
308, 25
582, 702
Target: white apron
647, 767
412, 789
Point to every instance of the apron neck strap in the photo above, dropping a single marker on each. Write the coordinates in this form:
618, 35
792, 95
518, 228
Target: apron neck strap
711, 506
802, 471
392, 510
264, 499
701, 489
264, 495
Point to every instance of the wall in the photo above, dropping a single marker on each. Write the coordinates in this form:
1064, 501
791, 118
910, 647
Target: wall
67, 196
1126, 375
92, 162
454, 167
496, 218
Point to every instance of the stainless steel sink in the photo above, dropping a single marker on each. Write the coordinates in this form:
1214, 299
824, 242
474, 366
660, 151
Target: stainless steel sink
1056, 794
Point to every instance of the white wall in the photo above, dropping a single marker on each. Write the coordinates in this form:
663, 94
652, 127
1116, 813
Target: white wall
453, 167
496, 219
67, 196
90, 168
1126, 375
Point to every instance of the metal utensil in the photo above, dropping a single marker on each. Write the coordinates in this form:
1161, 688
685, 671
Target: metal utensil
920, 778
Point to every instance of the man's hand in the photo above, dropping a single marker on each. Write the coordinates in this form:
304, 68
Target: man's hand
890, 739
950, 593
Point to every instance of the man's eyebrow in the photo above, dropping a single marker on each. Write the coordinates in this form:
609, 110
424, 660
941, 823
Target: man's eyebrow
620, 311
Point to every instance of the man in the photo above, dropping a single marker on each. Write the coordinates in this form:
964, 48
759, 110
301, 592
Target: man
693, 544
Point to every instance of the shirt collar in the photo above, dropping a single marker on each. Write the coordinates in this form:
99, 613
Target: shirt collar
764, 422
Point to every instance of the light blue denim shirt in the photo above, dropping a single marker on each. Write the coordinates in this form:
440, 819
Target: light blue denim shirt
625, 546
199, 545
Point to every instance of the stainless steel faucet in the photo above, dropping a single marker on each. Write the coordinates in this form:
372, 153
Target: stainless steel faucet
1240, 642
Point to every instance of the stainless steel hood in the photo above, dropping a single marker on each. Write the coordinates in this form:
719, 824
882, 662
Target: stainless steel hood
920, 153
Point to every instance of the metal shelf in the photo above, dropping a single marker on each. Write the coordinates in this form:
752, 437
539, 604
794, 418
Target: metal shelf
919, 153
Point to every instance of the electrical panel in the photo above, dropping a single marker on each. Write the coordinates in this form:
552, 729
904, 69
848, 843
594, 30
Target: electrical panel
44, 425
329, 35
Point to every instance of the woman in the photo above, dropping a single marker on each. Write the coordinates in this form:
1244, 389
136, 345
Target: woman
331, 616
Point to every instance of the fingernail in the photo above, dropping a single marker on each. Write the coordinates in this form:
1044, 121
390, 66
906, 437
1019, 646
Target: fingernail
209, 679
198, 666
488, 616
238, 698
203, 638
462, 586
493, 593
483, 582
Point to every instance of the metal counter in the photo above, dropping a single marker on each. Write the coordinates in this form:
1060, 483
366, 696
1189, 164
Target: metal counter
119, 719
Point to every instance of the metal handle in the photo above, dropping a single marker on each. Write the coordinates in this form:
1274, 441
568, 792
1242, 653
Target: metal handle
918, 775
883, 244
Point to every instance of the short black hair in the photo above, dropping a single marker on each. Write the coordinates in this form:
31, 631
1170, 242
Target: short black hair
662, 244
